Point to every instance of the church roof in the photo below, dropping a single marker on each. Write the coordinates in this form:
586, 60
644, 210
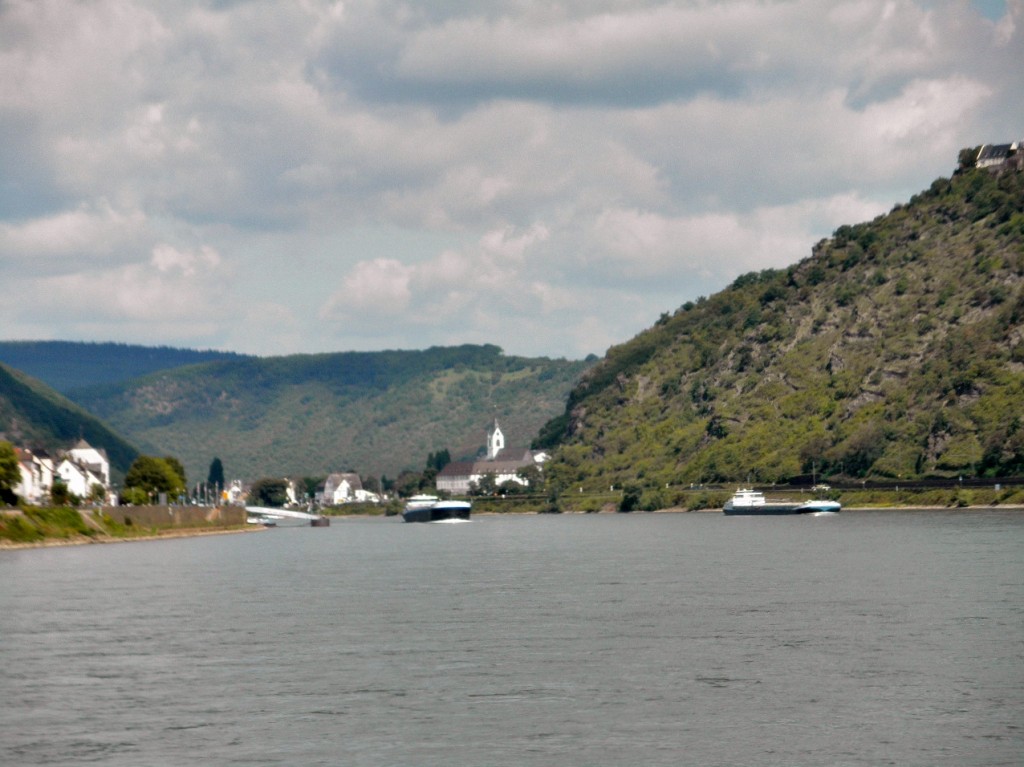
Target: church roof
507, 462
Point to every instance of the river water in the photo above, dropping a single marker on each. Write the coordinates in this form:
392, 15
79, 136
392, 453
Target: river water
863, 638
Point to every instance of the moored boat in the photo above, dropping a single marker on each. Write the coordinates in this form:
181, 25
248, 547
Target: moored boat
745, 501
430, 508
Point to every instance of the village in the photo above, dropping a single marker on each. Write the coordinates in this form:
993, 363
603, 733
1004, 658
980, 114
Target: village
82, 474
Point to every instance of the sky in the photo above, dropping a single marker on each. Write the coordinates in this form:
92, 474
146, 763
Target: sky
275, 177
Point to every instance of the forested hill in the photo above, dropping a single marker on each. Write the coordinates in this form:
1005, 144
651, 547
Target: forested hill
70, 365
894, 350
34, 415
310, 414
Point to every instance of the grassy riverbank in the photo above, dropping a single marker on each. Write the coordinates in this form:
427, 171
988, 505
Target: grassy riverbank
35, 526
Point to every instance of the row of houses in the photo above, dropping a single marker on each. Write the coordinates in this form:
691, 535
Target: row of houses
81, 469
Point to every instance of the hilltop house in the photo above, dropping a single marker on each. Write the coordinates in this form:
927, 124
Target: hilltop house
998, 155
503, 464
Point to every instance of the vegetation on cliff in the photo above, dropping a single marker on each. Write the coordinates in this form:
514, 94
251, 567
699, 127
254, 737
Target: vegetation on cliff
893, 351
33, 414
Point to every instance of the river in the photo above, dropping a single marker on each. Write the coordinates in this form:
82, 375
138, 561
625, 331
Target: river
863, 638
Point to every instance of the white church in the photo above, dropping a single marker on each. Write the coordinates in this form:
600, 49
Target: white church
500, 462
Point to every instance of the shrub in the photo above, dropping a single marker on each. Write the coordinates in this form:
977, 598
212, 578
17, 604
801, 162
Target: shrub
631, 495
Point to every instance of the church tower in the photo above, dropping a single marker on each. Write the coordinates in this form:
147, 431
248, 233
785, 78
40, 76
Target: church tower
495, 440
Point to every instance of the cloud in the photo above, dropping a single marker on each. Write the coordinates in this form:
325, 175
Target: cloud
85, 234
549, 177
173, 285
380, 287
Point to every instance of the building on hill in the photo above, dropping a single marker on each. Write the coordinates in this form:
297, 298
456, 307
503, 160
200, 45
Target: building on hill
999, 155
502, 463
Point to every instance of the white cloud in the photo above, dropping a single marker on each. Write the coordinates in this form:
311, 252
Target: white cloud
379, 287
87, 233
141, 303
399, 174
167, 259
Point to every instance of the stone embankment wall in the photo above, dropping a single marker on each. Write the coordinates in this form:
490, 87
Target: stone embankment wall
177, 516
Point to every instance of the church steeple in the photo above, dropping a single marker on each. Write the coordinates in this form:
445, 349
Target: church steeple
495, 440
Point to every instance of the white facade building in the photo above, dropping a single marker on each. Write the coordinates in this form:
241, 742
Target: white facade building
504, 464
80, 479
37, 472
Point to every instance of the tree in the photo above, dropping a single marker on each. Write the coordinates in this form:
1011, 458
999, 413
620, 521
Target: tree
97, 493
631, 495
270, 492
10, 474
532, 475
175, 464
312, 484
484, 486
134, 496
407, 483
216, 475
154, 475
60, 495
967, 158
439, 460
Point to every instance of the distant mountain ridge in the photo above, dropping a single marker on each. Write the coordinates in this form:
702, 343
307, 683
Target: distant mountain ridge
895, 350
69, 365
312, 414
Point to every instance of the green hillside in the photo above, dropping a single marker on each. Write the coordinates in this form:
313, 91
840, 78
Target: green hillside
894, 351
373, 412
70, 365
34, 415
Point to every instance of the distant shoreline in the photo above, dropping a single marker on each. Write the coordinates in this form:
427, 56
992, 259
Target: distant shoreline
199, 532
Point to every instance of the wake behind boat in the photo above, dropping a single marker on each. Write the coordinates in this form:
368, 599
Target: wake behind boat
430, 508
746, 501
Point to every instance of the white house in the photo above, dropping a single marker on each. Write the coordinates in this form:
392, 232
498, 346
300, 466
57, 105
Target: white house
340, 488
37, 471
95, 460
993, 155
79, 478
